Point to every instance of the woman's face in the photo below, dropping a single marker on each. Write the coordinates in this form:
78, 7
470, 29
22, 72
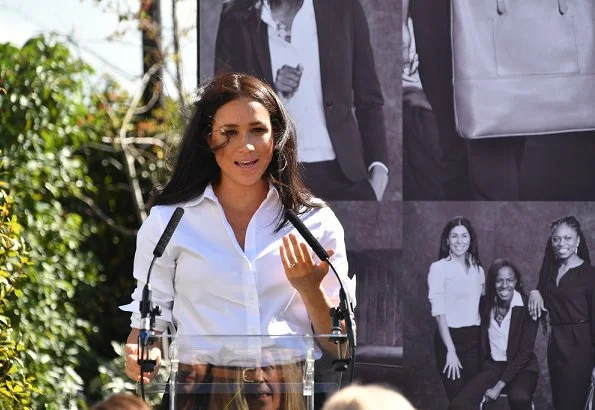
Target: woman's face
458, 240
246, 127
264, 392
505, 283
565, 241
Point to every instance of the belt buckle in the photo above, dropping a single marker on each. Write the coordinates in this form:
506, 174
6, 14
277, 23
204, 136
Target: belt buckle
244, 376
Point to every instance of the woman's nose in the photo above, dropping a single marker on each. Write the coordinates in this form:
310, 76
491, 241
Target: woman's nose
247, 142
258, 375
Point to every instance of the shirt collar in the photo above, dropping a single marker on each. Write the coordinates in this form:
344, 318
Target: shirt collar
517, 300
209, 193
265, 14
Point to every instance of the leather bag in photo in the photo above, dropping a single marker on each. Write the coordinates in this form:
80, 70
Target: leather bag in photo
523, 67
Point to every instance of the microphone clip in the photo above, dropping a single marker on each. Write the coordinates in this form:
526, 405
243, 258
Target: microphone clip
336, 332
146, 336
341, 364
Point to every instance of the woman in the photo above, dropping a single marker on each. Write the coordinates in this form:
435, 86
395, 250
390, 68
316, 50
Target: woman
234, 264
259, 388
456, 283
506, 345
565, 290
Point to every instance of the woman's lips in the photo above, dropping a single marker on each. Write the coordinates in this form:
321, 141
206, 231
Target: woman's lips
246, 163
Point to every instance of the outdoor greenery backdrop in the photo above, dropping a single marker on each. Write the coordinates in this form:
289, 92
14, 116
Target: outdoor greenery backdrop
76, 153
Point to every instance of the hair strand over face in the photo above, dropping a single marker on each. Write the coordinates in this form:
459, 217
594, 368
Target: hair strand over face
196, 167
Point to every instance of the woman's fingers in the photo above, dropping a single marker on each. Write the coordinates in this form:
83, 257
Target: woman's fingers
306, 256
132, 368
287, 253
298, 251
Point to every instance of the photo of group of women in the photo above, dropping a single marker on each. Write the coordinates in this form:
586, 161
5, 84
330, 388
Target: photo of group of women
498, 298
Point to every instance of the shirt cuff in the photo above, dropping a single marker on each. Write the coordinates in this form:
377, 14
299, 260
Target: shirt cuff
378, 164
437, 308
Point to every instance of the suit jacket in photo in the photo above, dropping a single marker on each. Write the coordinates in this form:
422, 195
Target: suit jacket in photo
521, 341
352, 97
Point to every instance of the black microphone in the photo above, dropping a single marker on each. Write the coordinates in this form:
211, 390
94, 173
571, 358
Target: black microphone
307, 235
147, 310
145, 304
346, 308
169, 231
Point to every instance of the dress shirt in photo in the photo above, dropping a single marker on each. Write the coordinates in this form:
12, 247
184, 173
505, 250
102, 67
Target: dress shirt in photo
498, 334
306, 104
455, 293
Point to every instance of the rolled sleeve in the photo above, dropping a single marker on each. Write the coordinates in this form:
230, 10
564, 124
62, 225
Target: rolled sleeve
436, 290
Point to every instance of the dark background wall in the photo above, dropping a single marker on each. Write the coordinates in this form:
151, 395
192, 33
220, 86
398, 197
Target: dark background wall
514, 230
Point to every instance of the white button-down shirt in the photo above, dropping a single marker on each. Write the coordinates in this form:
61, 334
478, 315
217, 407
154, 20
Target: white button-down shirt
306, 105
207, 285
498, 334
455, 293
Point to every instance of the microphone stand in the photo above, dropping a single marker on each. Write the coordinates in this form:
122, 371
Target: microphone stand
343, 312
146, 336
345, 309
148, 311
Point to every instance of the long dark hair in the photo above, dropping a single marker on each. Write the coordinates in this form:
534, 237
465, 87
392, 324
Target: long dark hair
473, 251
490, 287
550, 264
196, 166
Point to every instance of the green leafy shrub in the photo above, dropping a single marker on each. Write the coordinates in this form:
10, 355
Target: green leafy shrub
16, 383
41, 112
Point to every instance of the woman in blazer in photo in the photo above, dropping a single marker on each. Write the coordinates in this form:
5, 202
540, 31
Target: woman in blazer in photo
506, 344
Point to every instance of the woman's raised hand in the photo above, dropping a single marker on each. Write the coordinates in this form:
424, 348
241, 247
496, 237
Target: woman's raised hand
302, 272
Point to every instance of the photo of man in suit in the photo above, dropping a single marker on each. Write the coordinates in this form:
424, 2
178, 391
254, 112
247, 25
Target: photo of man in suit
318, 56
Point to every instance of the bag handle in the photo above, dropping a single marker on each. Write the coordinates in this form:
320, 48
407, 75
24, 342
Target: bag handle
562, 6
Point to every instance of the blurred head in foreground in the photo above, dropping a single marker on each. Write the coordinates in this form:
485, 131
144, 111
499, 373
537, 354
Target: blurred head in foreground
370, 397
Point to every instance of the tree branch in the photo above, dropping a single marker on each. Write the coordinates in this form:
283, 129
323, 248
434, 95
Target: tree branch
109, 221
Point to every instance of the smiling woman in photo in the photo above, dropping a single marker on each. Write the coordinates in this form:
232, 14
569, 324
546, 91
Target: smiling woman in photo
456, 282
507, 341
566, 292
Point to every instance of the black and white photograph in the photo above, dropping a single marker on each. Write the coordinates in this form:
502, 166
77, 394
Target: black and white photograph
498, 301
498, 100
332, 62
